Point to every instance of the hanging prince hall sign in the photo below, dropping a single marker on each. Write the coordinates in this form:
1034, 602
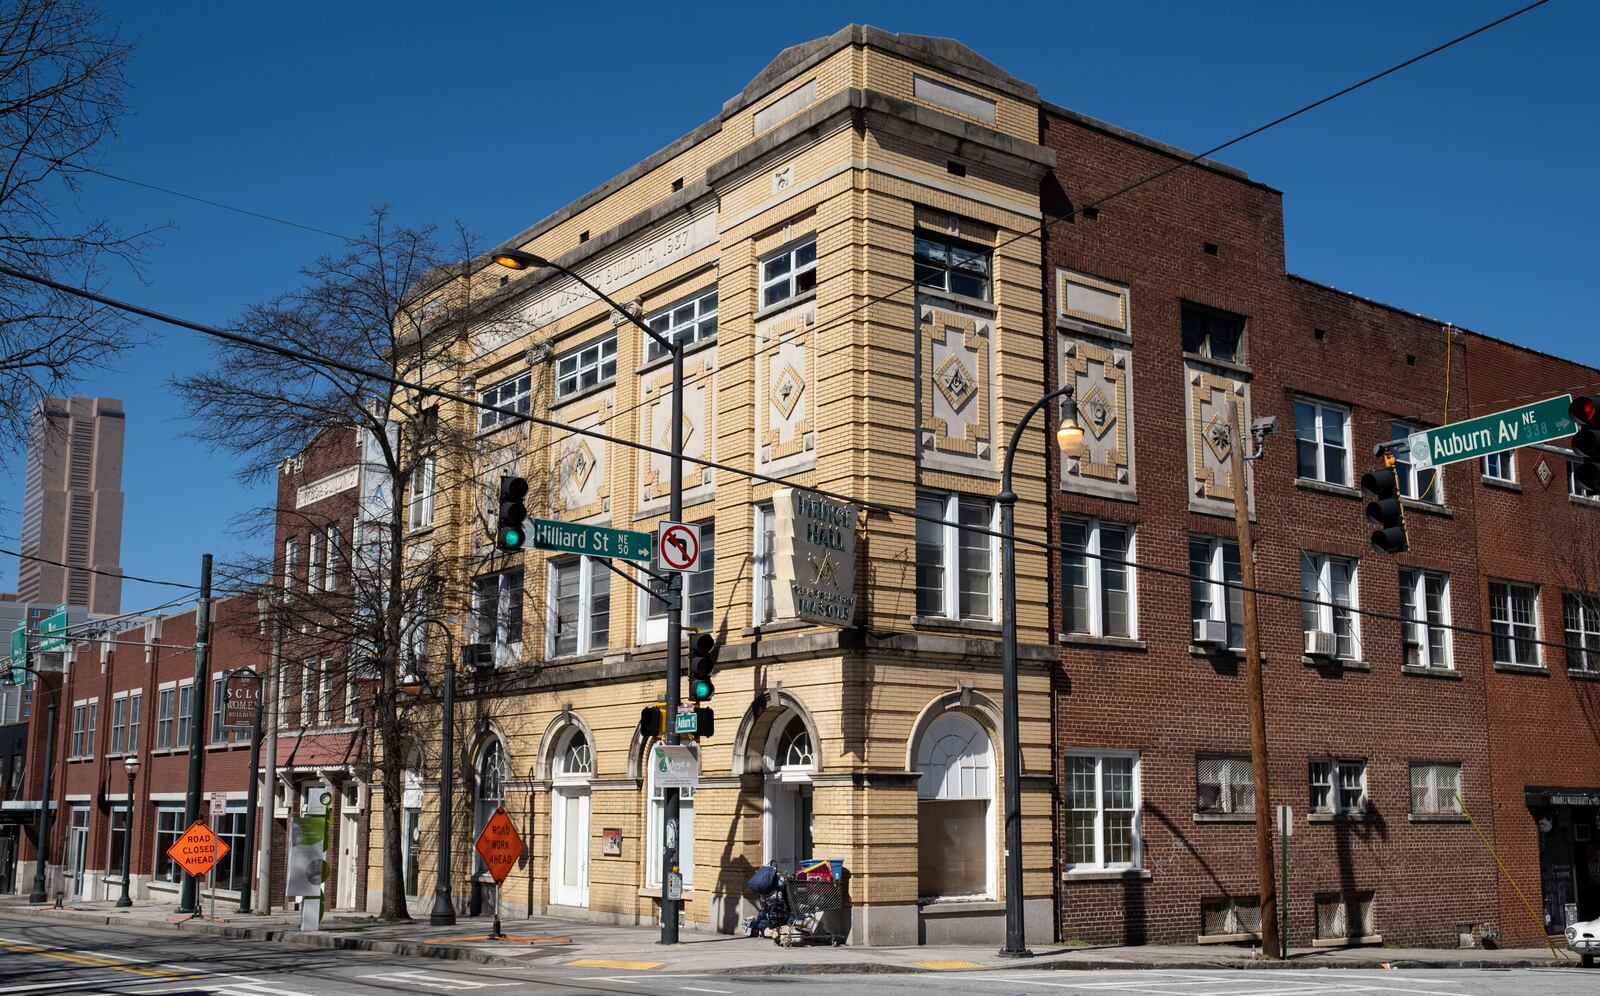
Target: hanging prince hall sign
814, 558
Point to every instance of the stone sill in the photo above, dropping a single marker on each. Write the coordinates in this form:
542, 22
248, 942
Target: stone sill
1336, 818
1436, 818
940, 294
941, 622
1449, 674
1212, 650
785, 304
1581, 500
1231, 366
1342, 490
1427, 508
1108, 642
1225, 818
960, 907
1538, 669
1495, 482
1081, 326
1346, 942
1116, 875
1583, 675
666, 358
779, 626
1335, 662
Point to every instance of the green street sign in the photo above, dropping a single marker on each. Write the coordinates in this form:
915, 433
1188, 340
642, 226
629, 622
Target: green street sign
19, 656
592, 541
686, 721
54, 623
1539, 422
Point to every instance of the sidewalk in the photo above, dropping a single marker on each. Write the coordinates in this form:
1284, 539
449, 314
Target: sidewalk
546, 943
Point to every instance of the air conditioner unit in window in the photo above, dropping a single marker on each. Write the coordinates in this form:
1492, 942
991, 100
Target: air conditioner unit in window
1321, 643
1211, 631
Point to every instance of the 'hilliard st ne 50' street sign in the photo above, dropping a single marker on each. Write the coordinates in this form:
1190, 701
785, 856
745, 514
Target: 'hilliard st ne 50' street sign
1539, 422
594, 541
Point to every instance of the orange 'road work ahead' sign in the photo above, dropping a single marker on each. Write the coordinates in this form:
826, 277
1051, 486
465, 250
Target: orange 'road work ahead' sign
198, 849
500, 845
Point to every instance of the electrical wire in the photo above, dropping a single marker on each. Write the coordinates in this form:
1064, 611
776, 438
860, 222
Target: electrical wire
91, 570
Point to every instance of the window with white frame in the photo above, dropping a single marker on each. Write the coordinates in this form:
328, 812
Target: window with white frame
688, 322
1514, 623
325, 693
1435, 788
1419, 485
135, 702
218, 701
169, 827
308, 681
497, 614
352, 695
314, 560
1500, 467
952, 265
955, 560
165, 706
80, 715
1097, 584
1576, 487
955, 809
1102, 809
119, 727
420, 499
291, 553
330, 575
658, 815
763, 568
185, 712
1581, 619
1224, 784
1214, 573
587, 366
1322, 445
579, 607
512, 394
118, 840
1338, 786
1425, 604
94, 718
699, 596
789, 273
1328, 590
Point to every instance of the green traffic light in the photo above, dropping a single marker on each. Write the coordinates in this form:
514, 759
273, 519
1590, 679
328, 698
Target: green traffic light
514, 538
700, 689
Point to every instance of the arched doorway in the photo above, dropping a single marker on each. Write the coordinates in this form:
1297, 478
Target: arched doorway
955, 809
788, 763
488, 794
571, 769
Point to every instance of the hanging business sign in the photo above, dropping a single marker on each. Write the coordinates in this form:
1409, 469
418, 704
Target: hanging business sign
814, 558
241, 697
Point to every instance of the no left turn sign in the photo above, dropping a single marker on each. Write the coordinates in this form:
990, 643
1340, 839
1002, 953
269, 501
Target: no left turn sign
678, 546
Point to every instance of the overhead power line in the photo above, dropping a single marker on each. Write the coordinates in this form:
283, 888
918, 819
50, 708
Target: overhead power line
91, 570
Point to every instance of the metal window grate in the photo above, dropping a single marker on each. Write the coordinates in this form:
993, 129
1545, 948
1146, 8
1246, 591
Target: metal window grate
1230, 915
1343, 915
1224, 784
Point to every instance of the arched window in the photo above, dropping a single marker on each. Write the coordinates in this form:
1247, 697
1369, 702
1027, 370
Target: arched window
491, 788
575, 759
794, 749
955, 798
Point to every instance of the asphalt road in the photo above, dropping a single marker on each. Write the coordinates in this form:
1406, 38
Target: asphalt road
62, 959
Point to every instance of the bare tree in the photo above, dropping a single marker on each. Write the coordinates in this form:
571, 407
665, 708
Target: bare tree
358, 307
61, 83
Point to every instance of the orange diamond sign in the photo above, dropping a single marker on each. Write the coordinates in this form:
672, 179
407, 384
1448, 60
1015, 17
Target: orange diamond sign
198, 849
500, 845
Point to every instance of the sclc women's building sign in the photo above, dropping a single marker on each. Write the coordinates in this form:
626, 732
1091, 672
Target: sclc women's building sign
814, 558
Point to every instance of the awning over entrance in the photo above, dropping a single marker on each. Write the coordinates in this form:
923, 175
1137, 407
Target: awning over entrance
1541, 796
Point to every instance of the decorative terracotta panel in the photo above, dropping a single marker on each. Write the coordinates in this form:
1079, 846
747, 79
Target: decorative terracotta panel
956, 410
786, 391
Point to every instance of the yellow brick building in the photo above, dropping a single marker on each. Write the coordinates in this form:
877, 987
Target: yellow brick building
782, 237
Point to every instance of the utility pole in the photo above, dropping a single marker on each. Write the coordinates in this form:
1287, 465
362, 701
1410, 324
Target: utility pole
672, 808
197, 717
42, 852
1254, 692
253, 794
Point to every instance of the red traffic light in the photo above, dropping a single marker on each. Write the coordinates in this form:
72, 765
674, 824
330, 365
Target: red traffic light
1585, 411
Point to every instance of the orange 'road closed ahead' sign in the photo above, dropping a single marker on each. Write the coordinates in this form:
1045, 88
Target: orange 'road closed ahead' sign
500, 845
198, 849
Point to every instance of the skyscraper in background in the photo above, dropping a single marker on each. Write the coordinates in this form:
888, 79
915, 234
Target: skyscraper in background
72, 505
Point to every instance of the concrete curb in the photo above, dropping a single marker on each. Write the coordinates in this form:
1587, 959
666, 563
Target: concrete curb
1047, 962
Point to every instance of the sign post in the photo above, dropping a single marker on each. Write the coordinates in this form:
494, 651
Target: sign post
499, 845
1285, 831
243, 696
1539, 422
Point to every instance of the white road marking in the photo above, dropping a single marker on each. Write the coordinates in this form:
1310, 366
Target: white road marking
697, 989
39, 987
431, 981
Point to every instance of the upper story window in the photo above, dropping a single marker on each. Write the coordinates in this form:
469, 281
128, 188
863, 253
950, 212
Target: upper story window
1224, 783
1212, 333
497, 614
219, 685
955, 560
699, 598
580, 607
1103, 810
764, 568
164, 712
1435, 788
314, 561
1420, 485
1514, 621
421, 502
692, 321
789, 273
1214, 573
1500, 467
1581, 615
585, 367
330, 576
1338, 787
291, 553
513, 393
1322, 442
1328, 590
1425, 603
1096, 579
951, 265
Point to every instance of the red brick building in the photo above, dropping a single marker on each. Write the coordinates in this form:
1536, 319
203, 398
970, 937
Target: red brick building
1171, 301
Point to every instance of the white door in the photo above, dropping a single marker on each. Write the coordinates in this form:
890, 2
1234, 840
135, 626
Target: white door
77, 847
349, 830
569, 846
788, 822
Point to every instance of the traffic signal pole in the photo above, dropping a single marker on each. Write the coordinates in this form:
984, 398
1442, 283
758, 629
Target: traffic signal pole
1255, 695
197, 718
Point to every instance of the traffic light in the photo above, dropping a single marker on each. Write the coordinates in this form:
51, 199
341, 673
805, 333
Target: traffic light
702, 661
705, 722
508, 533
1385, 510
1585, 412
653, 721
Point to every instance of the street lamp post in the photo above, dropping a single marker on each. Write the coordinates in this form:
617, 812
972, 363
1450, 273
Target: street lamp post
673, 595
443, 913
1067, 436
131, 765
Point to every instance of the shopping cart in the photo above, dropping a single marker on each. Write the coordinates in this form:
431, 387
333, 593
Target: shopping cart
810, 902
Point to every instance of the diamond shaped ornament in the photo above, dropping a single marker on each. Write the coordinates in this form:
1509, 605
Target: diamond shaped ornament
955, 382
787, 388
1096, 414
1218, 438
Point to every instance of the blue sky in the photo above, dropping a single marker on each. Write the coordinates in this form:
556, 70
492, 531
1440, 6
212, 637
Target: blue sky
1460, 188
